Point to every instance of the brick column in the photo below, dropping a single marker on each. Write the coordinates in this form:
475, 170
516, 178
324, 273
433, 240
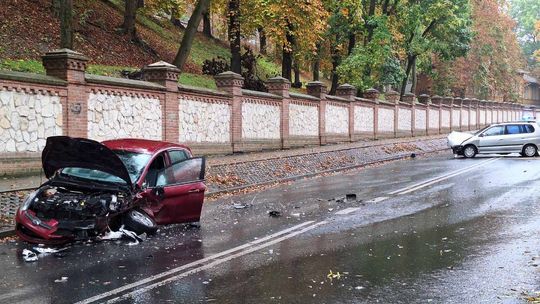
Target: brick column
318, 89
466, 104
71, 66
166, 74
474, 105
458, 102
449, 102
373, 95
410, 99
393, 97
424, 99
348, 92
438, 100
232, 83
280, 86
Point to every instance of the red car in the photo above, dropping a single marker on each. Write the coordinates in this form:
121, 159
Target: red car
92, 186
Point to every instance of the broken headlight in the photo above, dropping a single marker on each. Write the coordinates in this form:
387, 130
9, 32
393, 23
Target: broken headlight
28, 201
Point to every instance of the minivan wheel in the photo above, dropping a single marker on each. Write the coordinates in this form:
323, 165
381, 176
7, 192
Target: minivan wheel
469, 151
139, 222
529, 150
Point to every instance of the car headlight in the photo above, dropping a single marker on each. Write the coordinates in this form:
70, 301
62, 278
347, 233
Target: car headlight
28, 201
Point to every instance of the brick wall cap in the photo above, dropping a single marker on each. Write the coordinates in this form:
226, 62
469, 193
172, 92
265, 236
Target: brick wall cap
64, 53
346, 86
229, 75
372, 90
392, 92
32, 78
161, 65
278, 79
315, 84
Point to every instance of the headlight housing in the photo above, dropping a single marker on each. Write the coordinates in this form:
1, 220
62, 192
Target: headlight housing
28, 201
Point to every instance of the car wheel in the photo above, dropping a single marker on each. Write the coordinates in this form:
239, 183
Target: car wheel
529, 150
469, 151
139, 222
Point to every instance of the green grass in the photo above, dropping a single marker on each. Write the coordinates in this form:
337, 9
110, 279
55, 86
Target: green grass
267, 69
202, 81
22, 65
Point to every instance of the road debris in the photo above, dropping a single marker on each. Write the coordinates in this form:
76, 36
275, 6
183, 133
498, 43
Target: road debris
274, 213
239, 206
350, 197
61, 280
331, 275
29, 256
123, 233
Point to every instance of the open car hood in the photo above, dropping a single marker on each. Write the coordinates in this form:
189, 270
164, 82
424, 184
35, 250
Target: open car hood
457, 138
63, 151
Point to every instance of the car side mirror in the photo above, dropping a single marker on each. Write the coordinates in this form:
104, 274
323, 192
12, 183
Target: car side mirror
159, 192
481, 135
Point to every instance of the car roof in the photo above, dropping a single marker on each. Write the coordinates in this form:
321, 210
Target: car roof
141, 145
513, 122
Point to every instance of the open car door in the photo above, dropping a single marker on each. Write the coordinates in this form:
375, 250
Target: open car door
180, 188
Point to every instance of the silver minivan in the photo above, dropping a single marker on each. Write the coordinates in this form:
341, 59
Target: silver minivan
502, 138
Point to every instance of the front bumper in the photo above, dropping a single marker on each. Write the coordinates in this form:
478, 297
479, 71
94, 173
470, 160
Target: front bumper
458, 150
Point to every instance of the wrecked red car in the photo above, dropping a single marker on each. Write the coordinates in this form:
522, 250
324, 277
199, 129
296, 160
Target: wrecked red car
93, 187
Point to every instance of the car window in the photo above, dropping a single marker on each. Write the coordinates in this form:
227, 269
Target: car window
134, 162
514, 129
494, 131
529, 128
155, 167
177, 156
92, 175
186, 171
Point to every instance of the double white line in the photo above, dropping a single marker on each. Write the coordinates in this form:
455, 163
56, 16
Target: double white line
183, 271
440, 178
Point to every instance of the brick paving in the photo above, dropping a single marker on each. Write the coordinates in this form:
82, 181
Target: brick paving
237, 171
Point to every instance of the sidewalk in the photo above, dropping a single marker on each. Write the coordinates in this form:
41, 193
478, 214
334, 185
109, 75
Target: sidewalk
235, 172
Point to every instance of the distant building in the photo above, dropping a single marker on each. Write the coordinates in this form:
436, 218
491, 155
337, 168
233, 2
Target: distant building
529, 91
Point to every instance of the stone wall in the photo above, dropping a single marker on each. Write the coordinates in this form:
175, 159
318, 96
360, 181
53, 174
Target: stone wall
123, 116
404, 119
434, 119
27, 119
385, 121
303, 119
363, 119
260, 120
337, 119
456, 118
445, 118
204, 122
420, 120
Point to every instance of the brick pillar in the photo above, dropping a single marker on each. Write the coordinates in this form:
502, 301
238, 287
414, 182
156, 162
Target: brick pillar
373, 95
280, 86
474, 105
424, 99
232, 83
318, 89
70, 66
348, 92
466, 105
166, 74
458, 102
410, 99
438, 100
393, 97
449, 101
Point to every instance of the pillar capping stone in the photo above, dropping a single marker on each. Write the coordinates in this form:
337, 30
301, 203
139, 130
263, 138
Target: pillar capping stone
458, 101
346, 91
448, 100
392, 96
65, 64
436, 100
230, 82
279, 86
408, 97
424, 99
371, 94
316, 89
162, 73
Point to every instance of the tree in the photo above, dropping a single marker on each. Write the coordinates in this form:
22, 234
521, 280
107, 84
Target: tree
527, 14
207, 23
234, 35
130, 18
66, 20
189, 34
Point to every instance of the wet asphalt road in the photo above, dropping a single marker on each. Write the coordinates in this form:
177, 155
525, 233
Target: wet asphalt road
470, 237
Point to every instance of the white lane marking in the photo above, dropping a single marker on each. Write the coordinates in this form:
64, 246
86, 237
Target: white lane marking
444, 176
377, 199
192, 264
441, 179
346, 211
212, 264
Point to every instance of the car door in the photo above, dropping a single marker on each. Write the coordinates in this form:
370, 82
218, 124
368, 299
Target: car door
515, 137
180, 189
491, 140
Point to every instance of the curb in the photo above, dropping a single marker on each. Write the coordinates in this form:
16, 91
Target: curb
7, 233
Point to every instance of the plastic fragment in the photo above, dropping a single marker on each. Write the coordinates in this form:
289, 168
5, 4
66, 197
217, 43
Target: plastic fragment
29, 256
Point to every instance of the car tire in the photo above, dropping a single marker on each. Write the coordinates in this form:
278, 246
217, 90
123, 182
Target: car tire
469, 151
530, 150
139, 222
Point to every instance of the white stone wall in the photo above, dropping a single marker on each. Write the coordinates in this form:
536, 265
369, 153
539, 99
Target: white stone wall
445, 119
465, 118
433, 119
420, 119
488, 117
337, 119
26, 120
499, 116
303, 120
363, 119
120, 116
260, 121
385, 122
473, 118
404, 119
203, 121
456, 117
482, 117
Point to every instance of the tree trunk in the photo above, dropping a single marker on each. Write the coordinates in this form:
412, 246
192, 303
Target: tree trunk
189, 34
335, 77
262, 40
174, 19
297, 82
130, 16
411, 61
286, 65
66, 19
370, 27
207, 24
234, 36
352, 42
55, 8
414, 78
317, 63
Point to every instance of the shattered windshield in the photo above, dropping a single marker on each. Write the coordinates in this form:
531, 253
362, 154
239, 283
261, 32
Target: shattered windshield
134, 163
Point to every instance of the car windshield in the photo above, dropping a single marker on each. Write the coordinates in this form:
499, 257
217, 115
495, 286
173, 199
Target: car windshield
134, 162
481, 130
